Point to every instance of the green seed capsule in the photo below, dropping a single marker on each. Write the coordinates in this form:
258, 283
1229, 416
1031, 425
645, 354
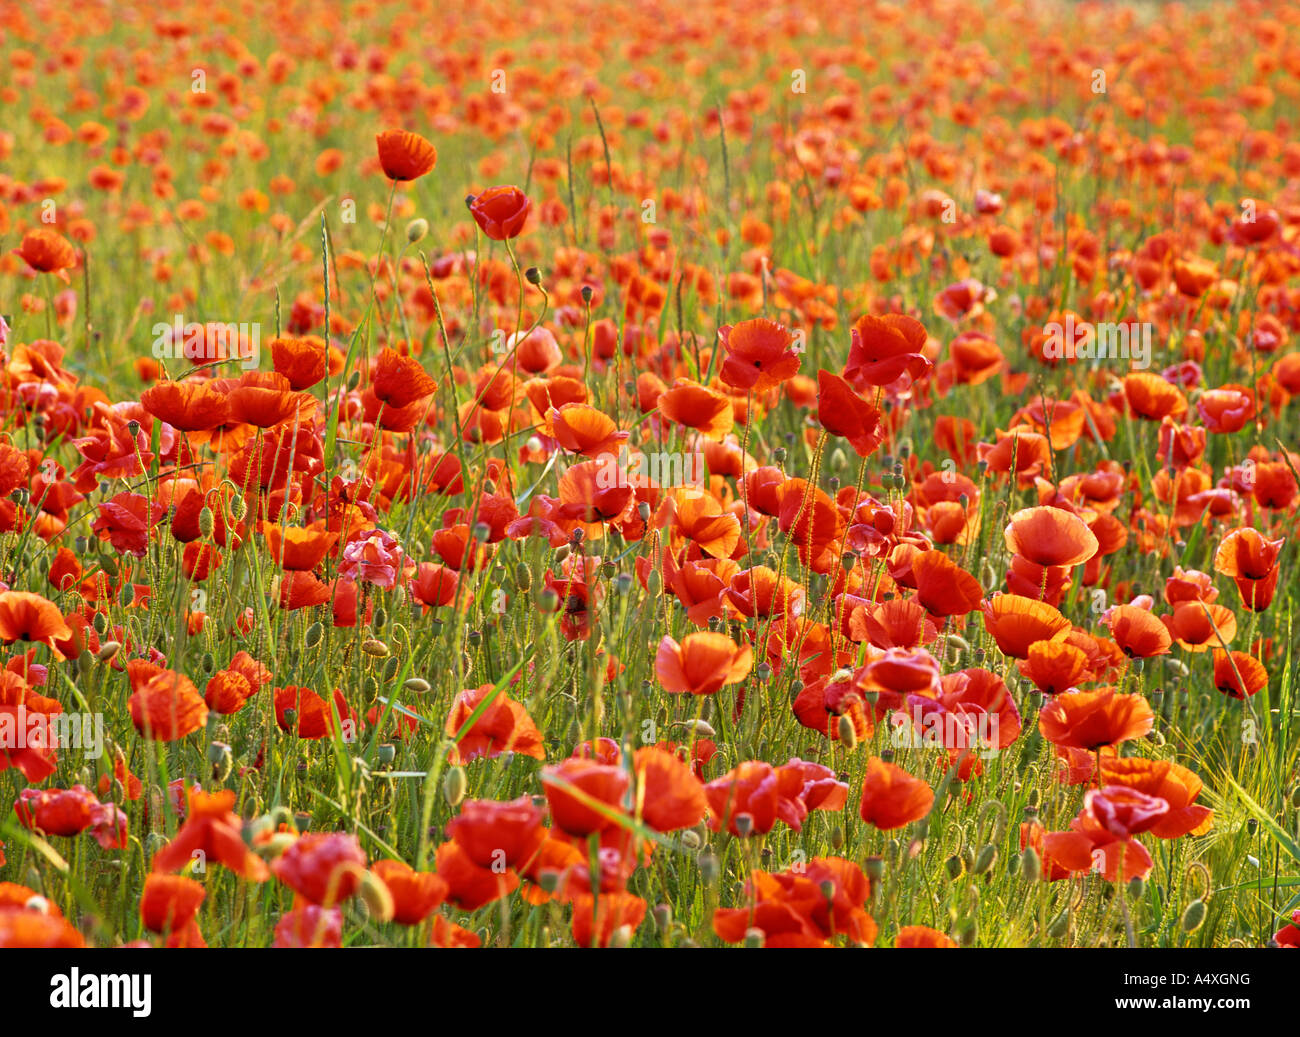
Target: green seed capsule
985, 859
454, 786
1194, 916
314, 634
1031, 865
207, 522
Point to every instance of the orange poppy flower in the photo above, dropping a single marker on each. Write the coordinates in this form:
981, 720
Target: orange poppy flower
416, 894
668, 794
883, 349
595, 920
1239, 674
1050, 536
504, 726
189, 405
1171, 782
1091, 720
499, 834
324, 868
169, 902
1016, 622
583, 793
211, 834
922, 936
585, 430
942, 586
702, 663
759, 355
25, 616
842, 412
892, 798
404, 155
699, 407
1138, 632
1250, 560
1055, 666
167, 707
47, 252
399, 381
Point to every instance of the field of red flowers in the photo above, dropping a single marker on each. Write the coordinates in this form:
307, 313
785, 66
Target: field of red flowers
686, 474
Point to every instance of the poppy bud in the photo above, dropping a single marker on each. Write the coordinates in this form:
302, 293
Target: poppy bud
532, 275
663, 917
1060, 925
354, 379
1136, 887
275, 846
417, 229
847, 732
418, 685
621, 937
375, 894
314, 634
710, 866
482, 531
691, 840
955, 866
374, 647
1295, 797
222, 761
763, 671
206, 522
549, 881
107, 650
128, 594
523, 577
454, 786
967, 932
1031, 865
754, 938
837, 838
654, 583
100, 623
1194, 916
562, 552
380, 618
238, 508
985, 859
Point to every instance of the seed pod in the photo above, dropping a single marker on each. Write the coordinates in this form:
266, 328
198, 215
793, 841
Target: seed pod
387, 753
1194, 916
754, 938
454, 786
985, 859
847, 732
1031, 865
523, 577
709, 868
417, 229
374, 647
1136, 887
206, 522
375, 894
108, 650
418, 685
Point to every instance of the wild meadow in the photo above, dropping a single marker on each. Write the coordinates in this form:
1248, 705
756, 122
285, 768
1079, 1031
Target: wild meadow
691, 474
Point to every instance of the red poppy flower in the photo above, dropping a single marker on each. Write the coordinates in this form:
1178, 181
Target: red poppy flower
759, 355
323, 868
892, 798
501, 212
404, 155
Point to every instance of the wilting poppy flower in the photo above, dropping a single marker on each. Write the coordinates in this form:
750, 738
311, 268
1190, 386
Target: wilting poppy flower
1093, 719
892, 798
501, 212
404, 155
702, 663
759, 355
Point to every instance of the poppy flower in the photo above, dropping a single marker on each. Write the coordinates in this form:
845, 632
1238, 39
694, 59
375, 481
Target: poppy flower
169, 902
702, 663
167, 707
753, 796
470, 887
1239, 674
1092, 719
595, 919
400, 381
25, 616
189, 406
304, 713
922, 936
416, 894
404, 155
942, 586
883, 349
501, 834
1055, 666
309, 925
1050, 536
759, 356
698, 407
668, 794
891, 797
583, 793
1016, 622
1138, 632
842, 412
47, 251
504, 726
21, 927
211, 834
303, 361
501, 212
323, 868
1250, 559
1174, 784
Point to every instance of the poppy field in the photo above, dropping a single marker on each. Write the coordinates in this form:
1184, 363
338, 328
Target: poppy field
684, 475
